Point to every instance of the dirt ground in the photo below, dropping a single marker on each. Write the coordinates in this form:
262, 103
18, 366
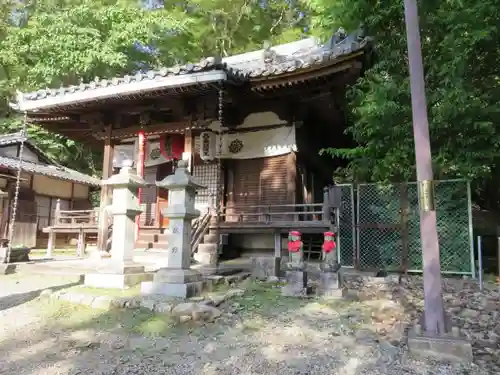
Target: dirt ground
258, 333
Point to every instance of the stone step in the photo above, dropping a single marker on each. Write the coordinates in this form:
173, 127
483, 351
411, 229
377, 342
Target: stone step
151, 245
153, 237
211, 238
207, 248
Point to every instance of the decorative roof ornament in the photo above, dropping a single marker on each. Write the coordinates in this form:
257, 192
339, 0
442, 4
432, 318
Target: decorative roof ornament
361, 32
338, 37
270, 56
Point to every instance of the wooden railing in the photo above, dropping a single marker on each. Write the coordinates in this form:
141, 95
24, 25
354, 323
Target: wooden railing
200, 228
308, 212
76, 218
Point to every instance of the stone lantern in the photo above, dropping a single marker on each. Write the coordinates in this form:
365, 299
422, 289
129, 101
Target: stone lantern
120, 271
175, 278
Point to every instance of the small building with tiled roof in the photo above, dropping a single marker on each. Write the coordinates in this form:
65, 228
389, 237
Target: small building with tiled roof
43, 182
250, 126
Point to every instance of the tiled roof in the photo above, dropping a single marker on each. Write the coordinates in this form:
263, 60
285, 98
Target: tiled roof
54, 171
205, 65
298, 55
268, 62
51, 169
14, 138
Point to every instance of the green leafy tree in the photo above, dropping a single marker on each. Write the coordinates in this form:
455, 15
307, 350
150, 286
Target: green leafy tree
460, 42
225, 27
51, 43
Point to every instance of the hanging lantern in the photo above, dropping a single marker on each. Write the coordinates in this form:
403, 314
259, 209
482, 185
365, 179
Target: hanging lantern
172, 146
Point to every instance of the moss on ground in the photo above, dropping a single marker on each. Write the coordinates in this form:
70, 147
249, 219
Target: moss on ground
68, 316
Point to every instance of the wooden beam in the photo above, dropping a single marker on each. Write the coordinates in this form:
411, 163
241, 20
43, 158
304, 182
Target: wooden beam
164, 128
318, 70
107, 171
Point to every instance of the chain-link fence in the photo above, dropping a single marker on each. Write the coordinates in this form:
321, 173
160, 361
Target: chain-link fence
387, 227
346, 239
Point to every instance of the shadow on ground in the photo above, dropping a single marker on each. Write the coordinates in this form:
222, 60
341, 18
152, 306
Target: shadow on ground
13, 300
259, 333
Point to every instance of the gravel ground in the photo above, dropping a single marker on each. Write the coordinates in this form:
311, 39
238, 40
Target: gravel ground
261, 333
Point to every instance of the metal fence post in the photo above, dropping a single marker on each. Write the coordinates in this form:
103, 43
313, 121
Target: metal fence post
471, 238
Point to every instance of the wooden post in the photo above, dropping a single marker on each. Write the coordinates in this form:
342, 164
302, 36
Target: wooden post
52, 234
277, 254
107, 171
140, 172
326, 206
80, 250
291, 165
404, 202
188, 149
498, 258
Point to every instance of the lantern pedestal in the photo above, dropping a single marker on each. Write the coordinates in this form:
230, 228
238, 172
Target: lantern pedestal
175, 278
120, 271
330, 285
296, 284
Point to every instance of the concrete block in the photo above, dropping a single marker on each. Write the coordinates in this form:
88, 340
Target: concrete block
296, 284
447, 347
330, 286
115, 281
184, 290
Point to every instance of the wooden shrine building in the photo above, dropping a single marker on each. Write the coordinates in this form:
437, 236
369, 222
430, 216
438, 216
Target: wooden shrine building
44, 186
250, 125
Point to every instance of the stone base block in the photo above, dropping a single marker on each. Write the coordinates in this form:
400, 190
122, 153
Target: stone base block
332, 293
449, 346
330, 285
296, 284
207, 269
186, 290
265, 267
114, 280
445, 348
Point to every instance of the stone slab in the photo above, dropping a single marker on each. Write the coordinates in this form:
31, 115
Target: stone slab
185, 290
296, 284
451, 345
115, 281
265, 267
445, 348
332, 293
331, 285
176, 276
109, 266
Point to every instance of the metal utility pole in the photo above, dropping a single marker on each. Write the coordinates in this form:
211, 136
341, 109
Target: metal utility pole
433, 301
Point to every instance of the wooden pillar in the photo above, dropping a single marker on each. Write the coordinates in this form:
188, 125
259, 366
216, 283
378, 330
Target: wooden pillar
107, 171
52, 234
188, 149
277, 254
141, 139
291, 165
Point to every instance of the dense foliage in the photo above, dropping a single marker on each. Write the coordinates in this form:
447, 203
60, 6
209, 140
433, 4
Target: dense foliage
59, 42
460, 42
